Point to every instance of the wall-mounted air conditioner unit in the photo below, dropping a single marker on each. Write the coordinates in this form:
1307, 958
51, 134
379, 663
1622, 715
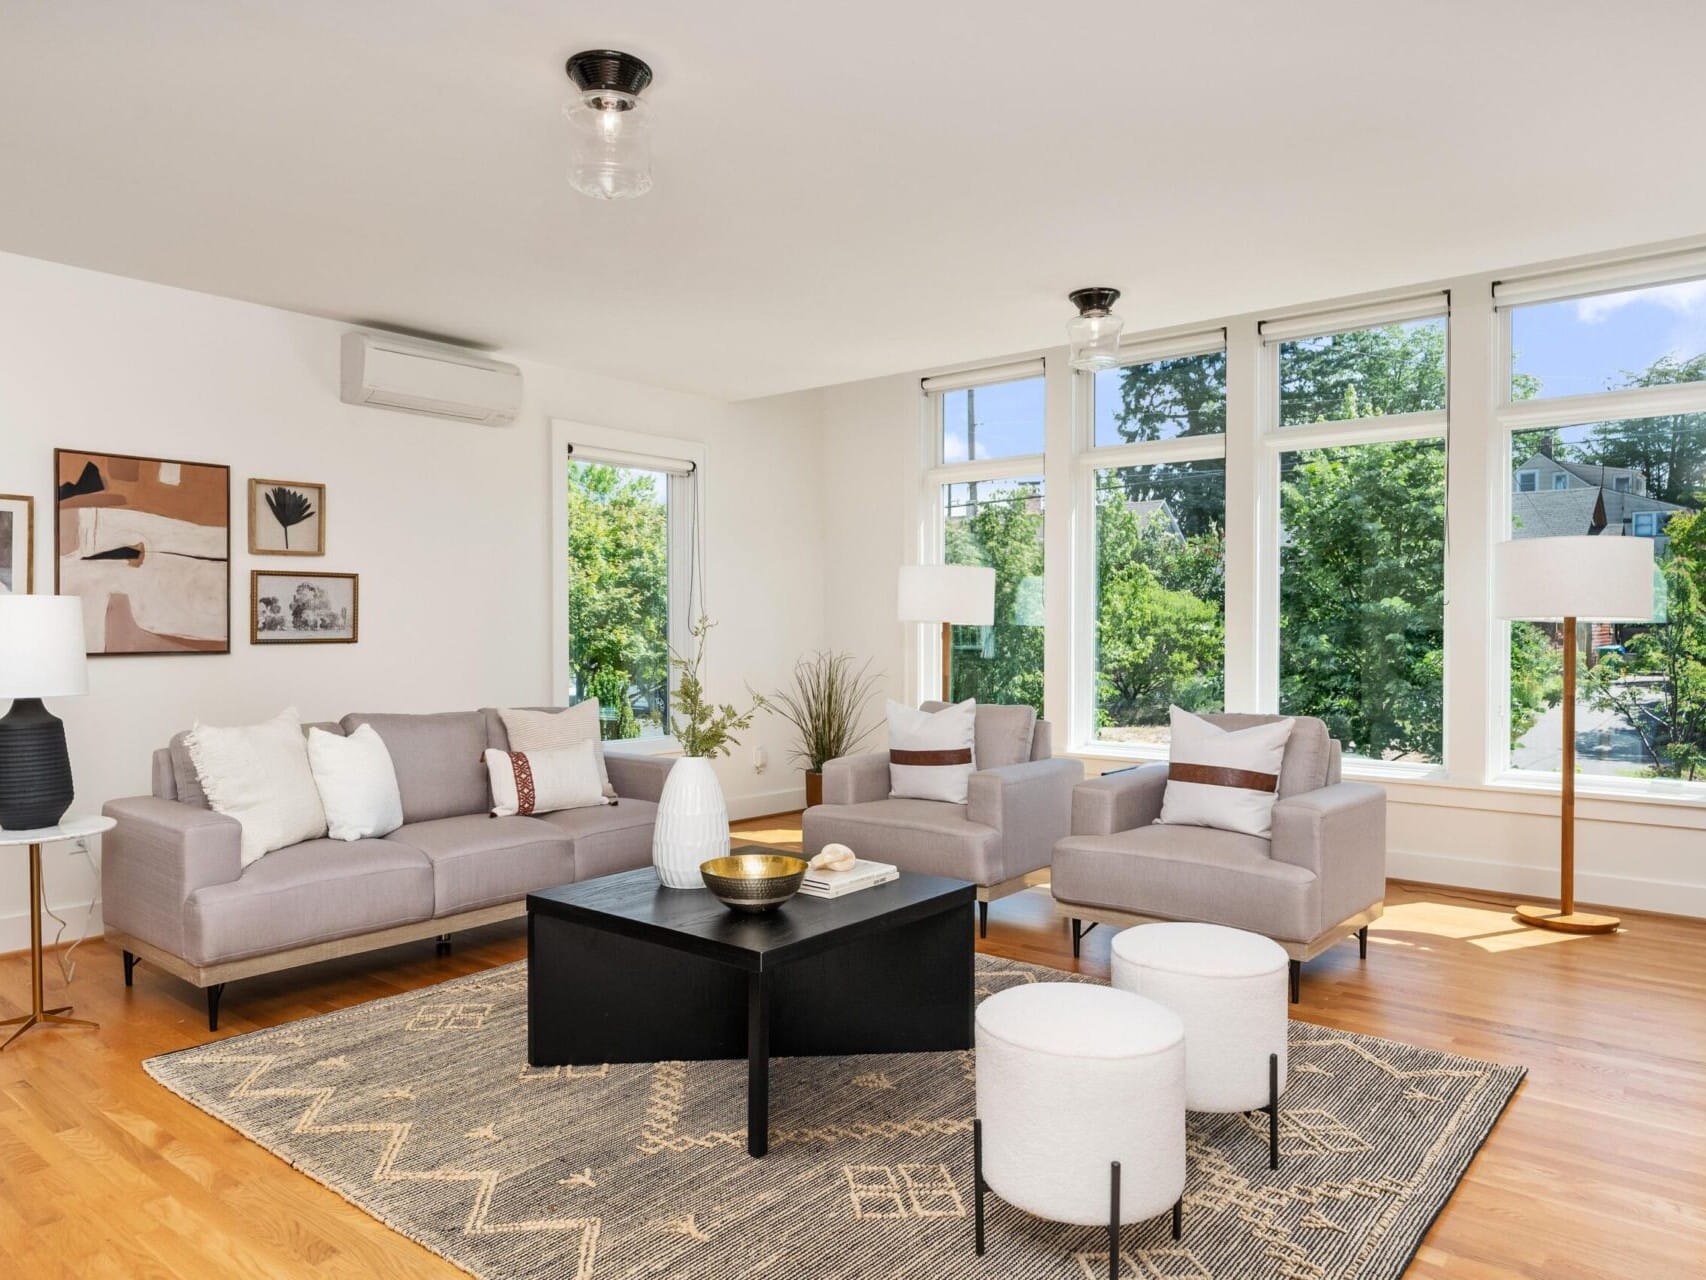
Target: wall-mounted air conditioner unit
430, 378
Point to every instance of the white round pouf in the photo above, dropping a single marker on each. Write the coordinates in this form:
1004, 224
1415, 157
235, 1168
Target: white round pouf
1229, 988
1071, 1077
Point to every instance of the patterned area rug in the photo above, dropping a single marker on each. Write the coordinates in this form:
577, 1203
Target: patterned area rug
421, 1110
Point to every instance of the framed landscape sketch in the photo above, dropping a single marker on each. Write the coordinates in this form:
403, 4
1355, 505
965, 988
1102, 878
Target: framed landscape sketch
287, 518
146, 543
303, 608
17, 544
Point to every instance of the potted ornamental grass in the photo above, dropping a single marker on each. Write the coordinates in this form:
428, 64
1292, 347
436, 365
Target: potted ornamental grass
826, 705
693, 817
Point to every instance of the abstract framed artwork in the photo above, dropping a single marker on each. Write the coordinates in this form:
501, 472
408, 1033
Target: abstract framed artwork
146, 543
287, 518
304, 608
17, 544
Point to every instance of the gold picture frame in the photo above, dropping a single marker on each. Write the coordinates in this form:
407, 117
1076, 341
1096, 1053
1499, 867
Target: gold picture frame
269, 534
18, 549
280, 612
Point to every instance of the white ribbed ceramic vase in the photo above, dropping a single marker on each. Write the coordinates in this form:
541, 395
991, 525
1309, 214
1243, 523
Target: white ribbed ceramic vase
692, 825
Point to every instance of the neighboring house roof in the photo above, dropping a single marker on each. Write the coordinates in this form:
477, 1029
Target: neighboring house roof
1156, 509
1555, 513
1620, 506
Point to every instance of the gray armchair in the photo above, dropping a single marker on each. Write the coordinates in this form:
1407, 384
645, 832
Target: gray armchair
1018, 805
1321, 876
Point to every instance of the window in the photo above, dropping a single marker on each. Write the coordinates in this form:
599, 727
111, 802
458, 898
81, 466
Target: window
1609, 341
1363, 373
1161, 399
627, 533
1160, 595
999, 524
995, 420
1527, 481
1561, 480
1641, 691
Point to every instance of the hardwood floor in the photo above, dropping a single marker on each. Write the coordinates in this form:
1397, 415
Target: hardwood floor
1597, 1169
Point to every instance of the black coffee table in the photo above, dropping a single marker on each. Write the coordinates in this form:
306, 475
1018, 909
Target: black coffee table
620, 969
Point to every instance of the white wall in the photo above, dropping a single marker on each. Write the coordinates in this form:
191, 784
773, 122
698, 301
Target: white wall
447, 525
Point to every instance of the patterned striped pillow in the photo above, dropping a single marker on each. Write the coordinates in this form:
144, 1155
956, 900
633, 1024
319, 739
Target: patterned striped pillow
525, 782
1227, 779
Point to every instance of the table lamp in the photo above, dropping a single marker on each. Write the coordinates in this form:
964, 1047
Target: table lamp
1572, 579
953, 595
41, 656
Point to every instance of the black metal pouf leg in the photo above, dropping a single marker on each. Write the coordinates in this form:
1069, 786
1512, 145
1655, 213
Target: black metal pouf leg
213, 994
1362, 943
129, 967
1114, 1221
977, 1181
1179, 1217
1273, 1111
1296, 968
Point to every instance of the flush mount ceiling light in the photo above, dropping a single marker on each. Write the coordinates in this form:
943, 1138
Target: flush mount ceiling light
1095, 331
610, 142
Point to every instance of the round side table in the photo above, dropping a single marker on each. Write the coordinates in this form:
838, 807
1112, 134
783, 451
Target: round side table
73, 829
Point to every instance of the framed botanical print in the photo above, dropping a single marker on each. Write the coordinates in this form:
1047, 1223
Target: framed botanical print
146, 544
304, 608
287, 518
17, 544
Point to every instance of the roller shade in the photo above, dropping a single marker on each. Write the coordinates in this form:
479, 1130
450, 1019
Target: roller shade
1611, 277
1316, 324
637, 461
984, 376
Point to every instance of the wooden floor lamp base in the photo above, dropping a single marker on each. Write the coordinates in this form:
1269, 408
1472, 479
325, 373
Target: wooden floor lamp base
1549, 917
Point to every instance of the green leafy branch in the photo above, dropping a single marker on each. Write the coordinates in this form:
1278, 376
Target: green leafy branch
705, 728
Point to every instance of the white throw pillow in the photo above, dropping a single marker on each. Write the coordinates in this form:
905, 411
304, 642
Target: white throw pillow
544, 781
932, 754
357, 783
557, 730
1224, 778
259, 775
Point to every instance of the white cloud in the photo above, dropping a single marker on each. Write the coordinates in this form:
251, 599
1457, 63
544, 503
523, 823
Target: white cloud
1685, 299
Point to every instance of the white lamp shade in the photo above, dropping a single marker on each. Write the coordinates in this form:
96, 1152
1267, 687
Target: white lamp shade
961, 594
1596, 579
41, 647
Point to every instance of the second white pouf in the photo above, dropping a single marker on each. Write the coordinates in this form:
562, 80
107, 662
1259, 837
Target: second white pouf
1071, 1077
1229, 989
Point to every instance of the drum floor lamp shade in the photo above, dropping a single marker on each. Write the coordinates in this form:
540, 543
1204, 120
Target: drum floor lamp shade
951, 595
41, 656
1571, 580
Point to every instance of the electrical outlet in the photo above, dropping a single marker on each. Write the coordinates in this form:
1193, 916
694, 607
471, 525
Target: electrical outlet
760, 759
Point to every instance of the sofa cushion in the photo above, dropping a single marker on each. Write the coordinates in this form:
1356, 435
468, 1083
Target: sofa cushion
1308, 751
922, 836
441, 769
1189, 873
616, 837
1004, 734
308, 893
478, 860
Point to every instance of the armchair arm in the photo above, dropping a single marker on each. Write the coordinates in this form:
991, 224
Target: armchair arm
856, 779
1339, 833
1119, 801
159, 854
1030, 804
638, 777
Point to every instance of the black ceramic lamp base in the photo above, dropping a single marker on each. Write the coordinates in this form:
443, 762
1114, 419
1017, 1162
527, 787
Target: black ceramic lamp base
35, 770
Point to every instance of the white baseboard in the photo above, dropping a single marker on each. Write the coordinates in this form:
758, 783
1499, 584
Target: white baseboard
15, 929
764, 803
1670, 897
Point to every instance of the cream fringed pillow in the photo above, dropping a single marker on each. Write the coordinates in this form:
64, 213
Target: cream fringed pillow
259, 775
526, 782
558, 730
1224, 778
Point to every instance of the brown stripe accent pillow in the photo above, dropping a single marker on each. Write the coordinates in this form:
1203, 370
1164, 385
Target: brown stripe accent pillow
1213, 776
932, 754
1223, 778
961, 755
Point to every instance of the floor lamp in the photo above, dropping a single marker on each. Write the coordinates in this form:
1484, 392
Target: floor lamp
952, 595
1572, 579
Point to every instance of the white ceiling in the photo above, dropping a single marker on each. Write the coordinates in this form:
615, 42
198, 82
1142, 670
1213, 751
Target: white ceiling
842, 190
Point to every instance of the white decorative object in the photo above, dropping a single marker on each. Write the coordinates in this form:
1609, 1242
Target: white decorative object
1229, 989
259, 775
1223, 778
692, 823
834, 857
357, 783
1070, 1078
838, 884
932, 754
526, 782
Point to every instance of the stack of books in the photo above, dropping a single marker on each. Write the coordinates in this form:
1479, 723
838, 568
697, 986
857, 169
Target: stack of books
863, 874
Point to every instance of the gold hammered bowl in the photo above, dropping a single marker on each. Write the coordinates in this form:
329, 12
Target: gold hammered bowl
754, 882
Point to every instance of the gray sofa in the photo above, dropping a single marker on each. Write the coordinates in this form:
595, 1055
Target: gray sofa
1320, 878
1018, 804
174, 892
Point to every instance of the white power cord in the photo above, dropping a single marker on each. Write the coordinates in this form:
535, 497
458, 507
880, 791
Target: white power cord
68, 966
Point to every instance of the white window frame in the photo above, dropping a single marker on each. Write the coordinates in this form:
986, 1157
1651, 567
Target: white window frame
1087, 459
638, 449
1560, 480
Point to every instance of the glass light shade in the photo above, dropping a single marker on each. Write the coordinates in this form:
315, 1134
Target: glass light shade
610, 144
1095, 341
